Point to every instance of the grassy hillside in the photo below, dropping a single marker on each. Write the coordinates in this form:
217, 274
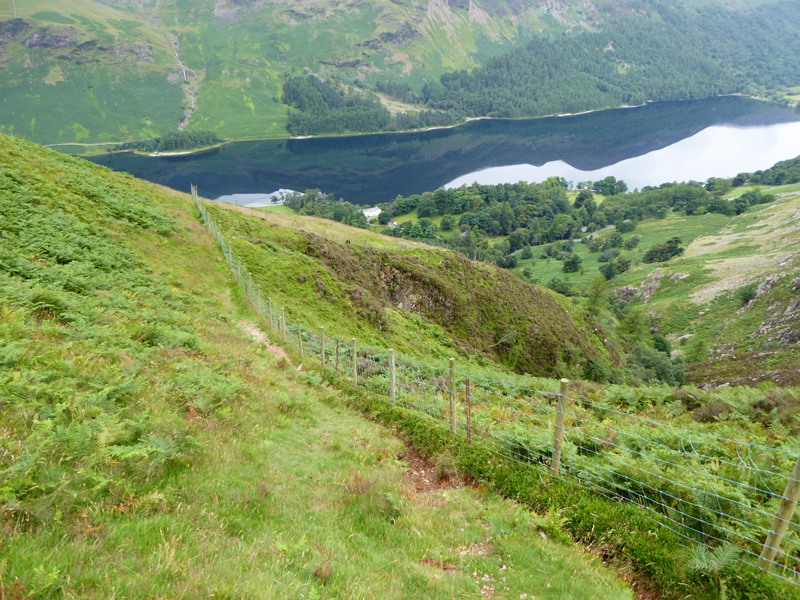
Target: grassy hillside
149, 443
235, 54
728, 302
425, 303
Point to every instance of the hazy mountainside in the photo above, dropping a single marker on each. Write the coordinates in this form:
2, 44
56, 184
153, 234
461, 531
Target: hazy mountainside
667, 52
143, 428
77, 71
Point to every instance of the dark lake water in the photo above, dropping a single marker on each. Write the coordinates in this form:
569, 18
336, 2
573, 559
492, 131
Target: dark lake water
648, 145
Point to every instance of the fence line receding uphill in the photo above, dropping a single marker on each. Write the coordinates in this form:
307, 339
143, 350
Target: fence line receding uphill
708, 490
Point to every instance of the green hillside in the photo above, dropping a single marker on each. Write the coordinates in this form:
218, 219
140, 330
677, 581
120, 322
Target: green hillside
83, 72
150, 444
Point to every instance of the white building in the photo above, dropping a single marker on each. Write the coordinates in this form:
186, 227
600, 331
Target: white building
371, 213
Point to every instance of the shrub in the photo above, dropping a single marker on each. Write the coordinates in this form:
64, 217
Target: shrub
609, 271
626, 226
746, 293
448, 222
632, 242
663, 252
572, 264
608, 255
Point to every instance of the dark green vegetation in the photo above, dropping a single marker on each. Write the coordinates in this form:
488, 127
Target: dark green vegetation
80, 72
537, 214
324, 109
316, 204
667, 53
784, 172
142, 429
174, 142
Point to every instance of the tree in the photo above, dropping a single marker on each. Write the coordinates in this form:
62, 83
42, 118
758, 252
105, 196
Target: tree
609, 270
626, 226
582, 197
526, 253
661, 344
615, 240
448, 222
633, 326
597, 294
623, 263
572, 264
663, 252
696, 350
632, 242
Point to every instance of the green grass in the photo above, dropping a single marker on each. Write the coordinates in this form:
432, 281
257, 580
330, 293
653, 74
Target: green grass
149, 443
277, 210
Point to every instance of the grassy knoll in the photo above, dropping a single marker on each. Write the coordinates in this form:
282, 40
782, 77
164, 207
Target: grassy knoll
152, 449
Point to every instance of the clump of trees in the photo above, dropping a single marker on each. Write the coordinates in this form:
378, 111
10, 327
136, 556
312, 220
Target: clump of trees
174, 142
663, 252
326, 206
323, 108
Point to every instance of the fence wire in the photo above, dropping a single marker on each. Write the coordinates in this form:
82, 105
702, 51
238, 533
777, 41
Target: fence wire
708, 490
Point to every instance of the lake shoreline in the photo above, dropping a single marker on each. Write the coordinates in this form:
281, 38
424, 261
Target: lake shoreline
424, 130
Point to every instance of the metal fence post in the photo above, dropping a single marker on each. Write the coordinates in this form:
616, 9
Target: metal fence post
270, 314
355, 366
453, 396
392, 388
558, 434
300, 338
782, 519
469, 415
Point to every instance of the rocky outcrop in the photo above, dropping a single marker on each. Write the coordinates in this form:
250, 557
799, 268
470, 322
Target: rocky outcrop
53, 39
13, 29
647, 288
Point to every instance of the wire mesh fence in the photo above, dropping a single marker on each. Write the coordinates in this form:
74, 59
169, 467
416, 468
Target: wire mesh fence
708, 490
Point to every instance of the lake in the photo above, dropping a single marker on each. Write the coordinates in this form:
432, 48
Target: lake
647, 145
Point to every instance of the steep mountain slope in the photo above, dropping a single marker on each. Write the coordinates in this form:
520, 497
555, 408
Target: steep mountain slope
151, 449
137, 69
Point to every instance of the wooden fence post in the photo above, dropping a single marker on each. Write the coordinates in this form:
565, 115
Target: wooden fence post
270, 314
469, 415
453, 396
283, 325
782, 519
558, 435
355, 366
322, 338
300, 338
392, 389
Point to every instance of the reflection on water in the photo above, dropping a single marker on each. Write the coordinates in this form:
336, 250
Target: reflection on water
719, 151
376, 168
